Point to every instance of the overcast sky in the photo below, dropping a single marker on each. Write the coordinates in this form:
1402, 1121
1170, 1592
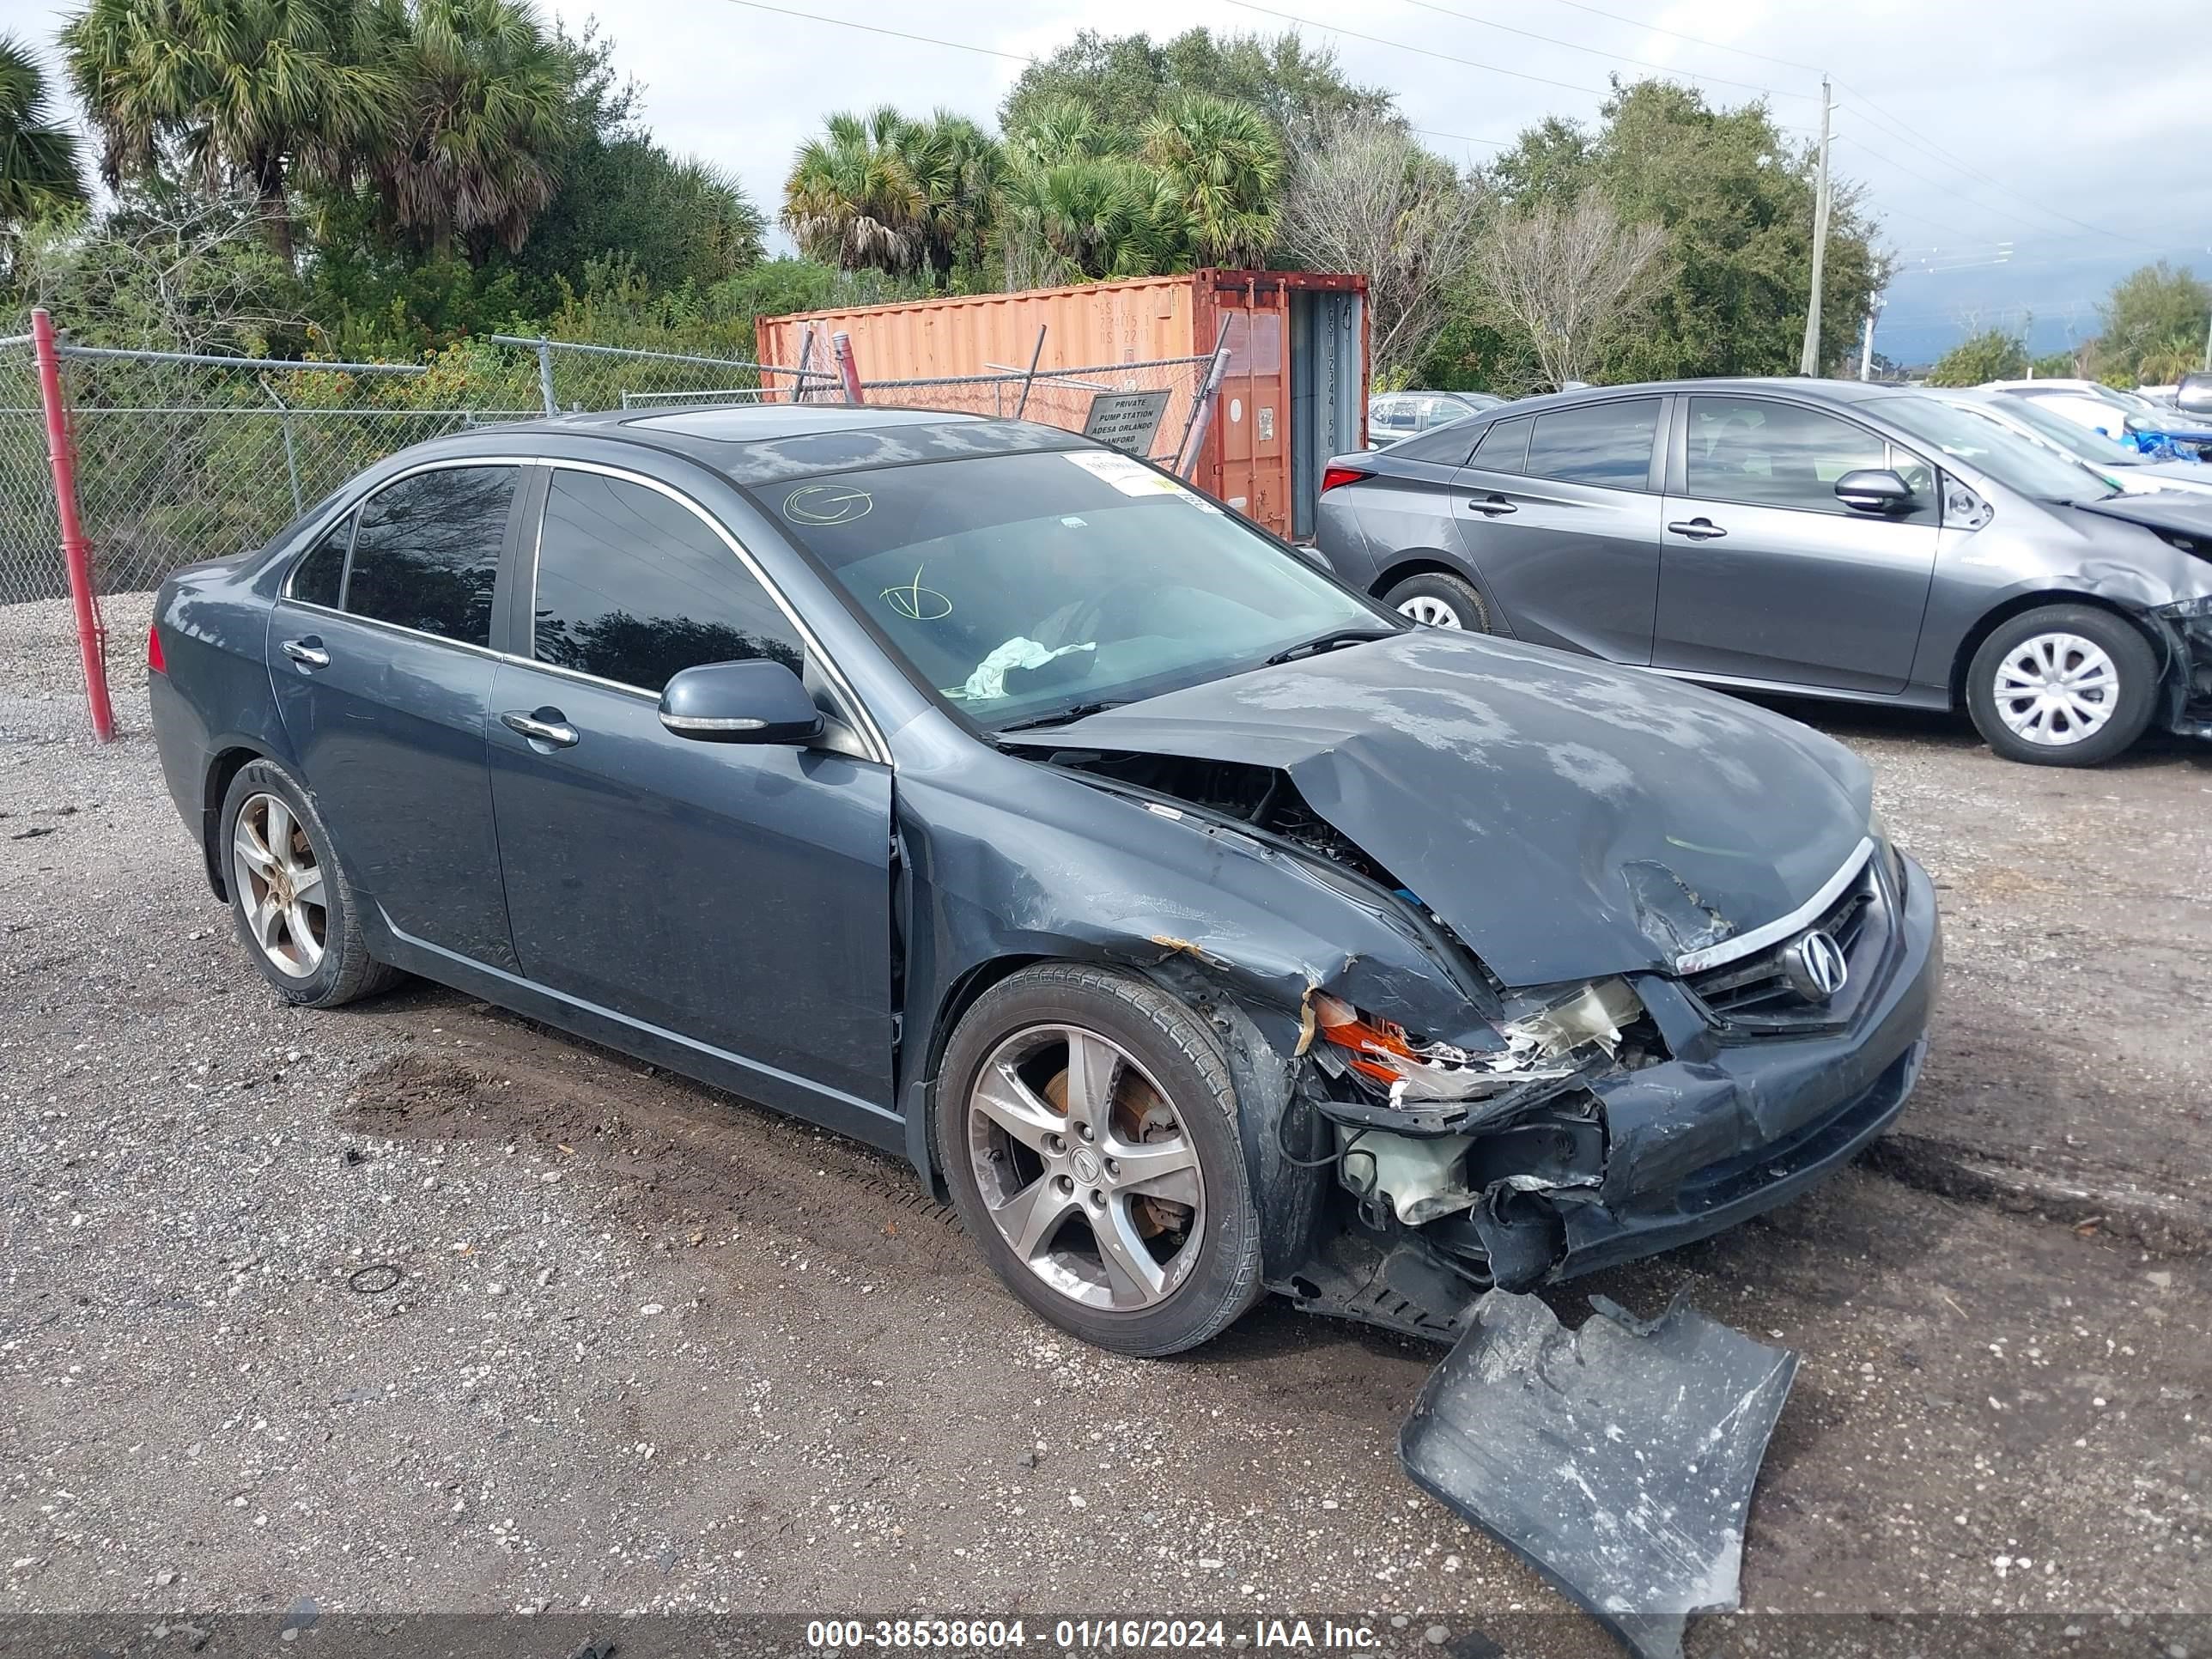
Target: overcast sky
2020, 154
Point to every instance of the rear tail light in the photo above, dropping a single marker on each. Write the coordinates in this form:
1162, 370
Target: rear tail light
154, 662
1332, 476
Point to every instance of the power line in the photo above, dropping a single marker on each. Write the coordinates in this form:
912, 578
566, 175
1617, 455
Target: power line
896, 34
1897, 126
1494, 143
1446, 56
1653, 28
1619, 57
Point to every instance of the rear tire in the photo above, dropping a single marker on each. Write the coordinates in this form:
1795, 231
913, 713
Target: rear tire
1108, 1192
295, 911
1440, 601
2063, 685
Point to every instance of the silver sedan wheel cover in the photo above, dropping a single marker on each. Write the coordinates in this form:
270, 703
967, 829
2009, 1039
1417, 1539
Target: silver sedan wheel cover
1431, 611
1100, 1196
280, 884
2056, 690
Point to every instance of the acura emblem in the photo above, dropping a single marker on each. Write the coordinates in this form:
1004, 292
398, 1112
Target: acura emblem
1814, 966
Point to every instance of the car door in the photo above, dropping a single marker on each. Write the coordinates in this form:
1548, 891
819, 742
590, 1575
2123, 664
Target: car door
735, 895
1559, 512
1766, 575
379, 653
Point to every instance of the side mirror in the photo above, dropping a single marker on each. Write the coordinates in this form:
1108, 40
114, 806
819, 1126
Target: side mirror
1874, 490
757, 700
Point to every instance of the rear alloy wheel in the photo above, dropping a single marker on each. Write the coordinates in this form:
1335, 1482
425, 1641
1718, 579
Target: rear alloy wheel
295, 910
1438, 600
2063, 685
1086, 1127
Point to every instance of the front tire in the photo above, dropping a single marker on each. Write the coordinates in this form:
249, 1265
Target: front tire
2063, 685
1440, 600
295, 911
1086, 1126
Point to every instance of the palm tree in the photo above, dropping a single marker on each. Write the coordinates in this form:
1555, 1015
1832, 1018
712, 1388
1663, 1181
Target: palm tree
948, 170
1090, 218
850, 200
481, 107
244, 88
1227, 166
37, 159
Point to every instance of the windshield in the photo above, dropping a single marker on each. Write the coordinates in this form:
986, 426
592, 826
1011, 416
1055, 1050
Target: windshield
2068, 437
2014, 461
1024, 586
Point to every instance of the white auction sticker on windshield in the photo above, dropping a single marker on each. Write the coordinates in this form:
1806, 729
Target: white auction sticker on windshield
1125, 472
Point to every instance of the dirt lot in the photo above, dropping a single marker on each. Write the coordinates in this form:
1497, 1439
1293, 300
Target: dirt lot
652, 1348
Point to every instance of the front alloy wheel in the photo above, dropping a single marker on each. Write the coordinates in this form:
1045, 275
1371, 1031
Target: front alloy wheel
1087, 1125
2056, 690
1085, 1168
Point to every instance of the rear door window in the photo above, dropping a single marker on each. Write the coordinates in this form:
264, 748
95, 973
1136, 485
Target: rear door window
634, 586
1505, 446
427, 552
1607, 444
320, 576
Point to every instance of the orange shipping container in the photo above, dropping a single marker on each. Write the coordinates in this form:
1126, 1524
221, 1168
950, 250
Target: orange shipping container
1294, 391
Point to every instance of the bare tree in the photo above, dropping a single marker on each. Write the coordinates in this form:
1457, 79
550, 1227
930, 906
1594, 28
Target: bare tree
1363, 197
1572, 277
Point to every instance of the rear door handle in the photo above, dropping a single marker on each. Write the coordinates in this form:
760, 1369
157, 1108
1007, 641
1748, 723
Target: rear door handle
545, 725
1697, 530
1494, 506
307, 652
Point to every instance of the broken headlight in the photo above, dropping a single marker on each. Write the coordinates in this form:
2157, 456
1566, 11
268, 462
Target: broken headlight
1557, 1039
2198, 610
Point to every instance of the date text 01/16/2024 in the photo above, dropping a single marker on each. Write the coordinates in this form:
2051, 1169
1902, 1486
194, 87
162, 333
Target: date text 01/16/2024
1081, 1634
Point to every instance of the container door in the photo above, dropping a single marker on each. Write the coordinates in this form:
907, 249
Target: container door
1325, 387
1252, 417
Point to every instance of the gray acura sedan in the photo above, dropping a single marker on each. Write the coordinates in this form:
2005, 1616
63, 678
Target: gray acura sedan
1819, 537
1200, 925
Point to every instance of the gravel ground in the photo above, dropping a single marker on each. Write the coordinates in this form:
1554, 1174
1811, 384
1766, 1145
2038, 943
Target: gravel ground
648, 1347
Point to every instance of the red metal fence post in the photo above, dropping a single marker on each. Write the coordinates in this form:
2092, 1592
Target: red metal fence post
848, 370
76, 552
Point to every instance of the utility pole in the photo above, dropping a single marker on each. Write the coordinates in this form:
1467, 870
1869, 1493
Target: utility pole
1809, 360
2208, 345
1866, 347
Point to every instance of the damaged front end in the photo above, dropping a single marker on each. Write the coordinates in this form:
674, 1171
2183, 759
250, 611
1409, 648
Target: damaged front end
1420, 1143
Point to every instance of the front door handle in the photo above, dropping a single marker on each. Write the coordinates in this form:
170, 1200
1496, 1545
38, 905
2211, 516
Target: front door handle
1494, 506
545, 726
307, 652
1697, 530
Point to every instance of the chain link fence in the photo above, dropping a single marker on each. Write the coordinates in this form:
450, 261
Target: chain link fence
181, 457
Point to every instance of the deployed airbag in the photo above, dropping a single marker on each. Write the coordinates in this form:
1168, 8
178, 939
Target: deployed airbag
1617, 1459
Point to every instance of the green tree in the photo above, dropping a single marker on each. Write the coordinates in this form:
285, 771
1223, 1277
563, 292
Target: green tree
1735, 197
1126, 81
2062, 365
1224, 164
242, 88
1992, 355
950, 169
847, 200
465, 156
1087, 218
2148, 313
39, 170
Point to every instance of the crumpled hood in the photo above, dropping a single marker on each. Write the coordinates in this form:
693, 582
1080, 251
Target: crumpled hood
1567, 817
2181, 512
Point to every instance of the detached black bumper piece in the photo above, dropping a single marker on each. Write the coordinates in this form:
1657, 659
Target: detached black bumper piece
1617, 1460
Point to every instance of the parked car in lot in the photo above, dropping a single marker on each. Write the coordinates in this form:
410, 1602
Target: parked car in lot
2124, 416
1822, 538
2127, 468
1394, 415
985, 794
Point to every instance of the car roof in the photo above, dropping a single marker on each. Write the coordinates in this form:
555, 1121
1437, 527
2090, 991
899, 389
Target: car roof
764, 443
1791, 386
